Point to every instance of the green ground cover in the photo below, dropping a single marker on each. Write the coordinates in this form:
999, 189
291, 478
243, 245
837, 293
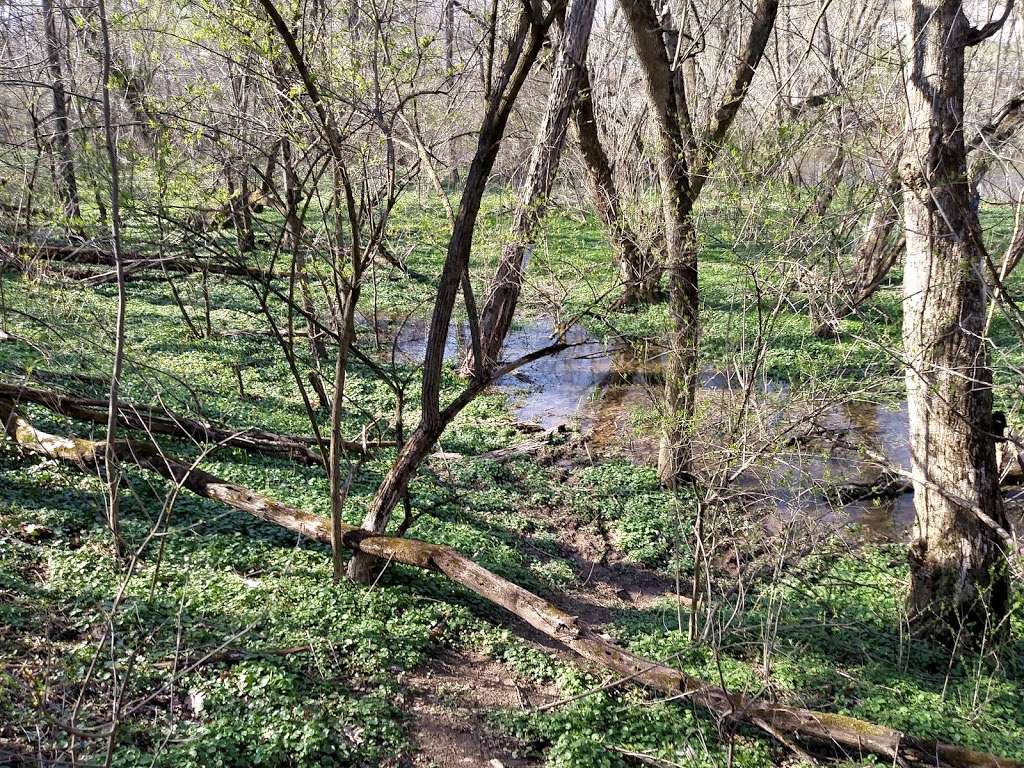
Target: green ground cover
217, 577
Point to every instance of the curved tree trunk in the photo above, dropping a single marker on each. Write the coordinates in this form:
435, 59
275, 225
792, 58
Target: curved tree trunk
876, 254
959, 576
503, 294
639, 270
522, 52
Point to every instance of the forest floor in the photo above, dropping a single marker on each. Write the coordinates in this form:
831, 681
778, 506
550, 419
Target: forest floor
415, 671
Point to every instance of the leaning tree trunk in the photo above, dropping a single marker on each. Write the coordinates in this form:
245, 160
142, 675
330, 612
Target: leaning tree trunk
639, 270
522, 52
503, 295
959, 579
63, 156
876, 254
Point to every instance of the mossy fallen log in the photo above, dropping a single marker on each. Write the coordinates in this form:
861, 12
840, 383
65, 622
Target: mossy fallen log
163, 422
849, 735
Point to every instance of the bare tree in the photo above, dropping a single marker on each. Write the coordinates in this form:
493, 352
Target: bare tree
346, 284
110, 138
685, 156
503, 293
639, 270
501, 91
959, 575
64, 160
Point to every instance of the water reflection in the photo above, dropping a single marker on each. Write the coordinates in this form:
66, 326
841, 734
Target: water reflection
549, 391
613, 393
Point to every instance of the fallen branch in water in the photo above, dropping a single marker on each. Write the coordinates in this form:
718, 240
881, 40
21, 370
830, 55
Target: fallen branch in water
894, 481
853, 736
885, 486
161, 422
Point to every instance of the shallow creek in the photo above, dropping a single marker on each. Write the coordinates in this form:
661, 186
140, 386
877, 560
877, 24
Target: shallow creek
612, 395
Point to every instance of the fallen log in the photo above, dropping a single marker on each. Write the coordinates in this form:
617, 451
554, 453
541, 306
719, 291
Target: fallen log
894, 481
854, 737
549, 438
132, 261
162, 422
885, 486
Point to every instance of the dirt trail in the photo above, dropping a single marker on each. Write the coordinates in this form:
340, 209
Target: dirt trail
450, 699
452, 694
605, 582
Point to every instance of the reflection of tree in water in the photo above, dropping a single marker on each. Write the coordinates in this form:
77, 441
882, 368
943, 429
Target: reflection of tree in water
882, 431
633, 385
616, 393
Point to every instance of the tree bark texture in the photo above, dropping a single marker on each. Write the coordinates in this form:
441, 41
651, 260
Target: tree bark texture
959, 575
505, 286
685, 158
639, 270
522, 51
64, 154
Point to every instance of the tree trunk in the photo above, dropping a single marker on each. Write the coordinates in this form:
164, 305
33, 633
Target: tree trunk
110, 464
684, 162
959, 576
449, 77
522, 52
294, 228
240, 211
338, 450
346, 291
874, 258
675, 153
64, 155
639, 271
503, 295
675, 457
